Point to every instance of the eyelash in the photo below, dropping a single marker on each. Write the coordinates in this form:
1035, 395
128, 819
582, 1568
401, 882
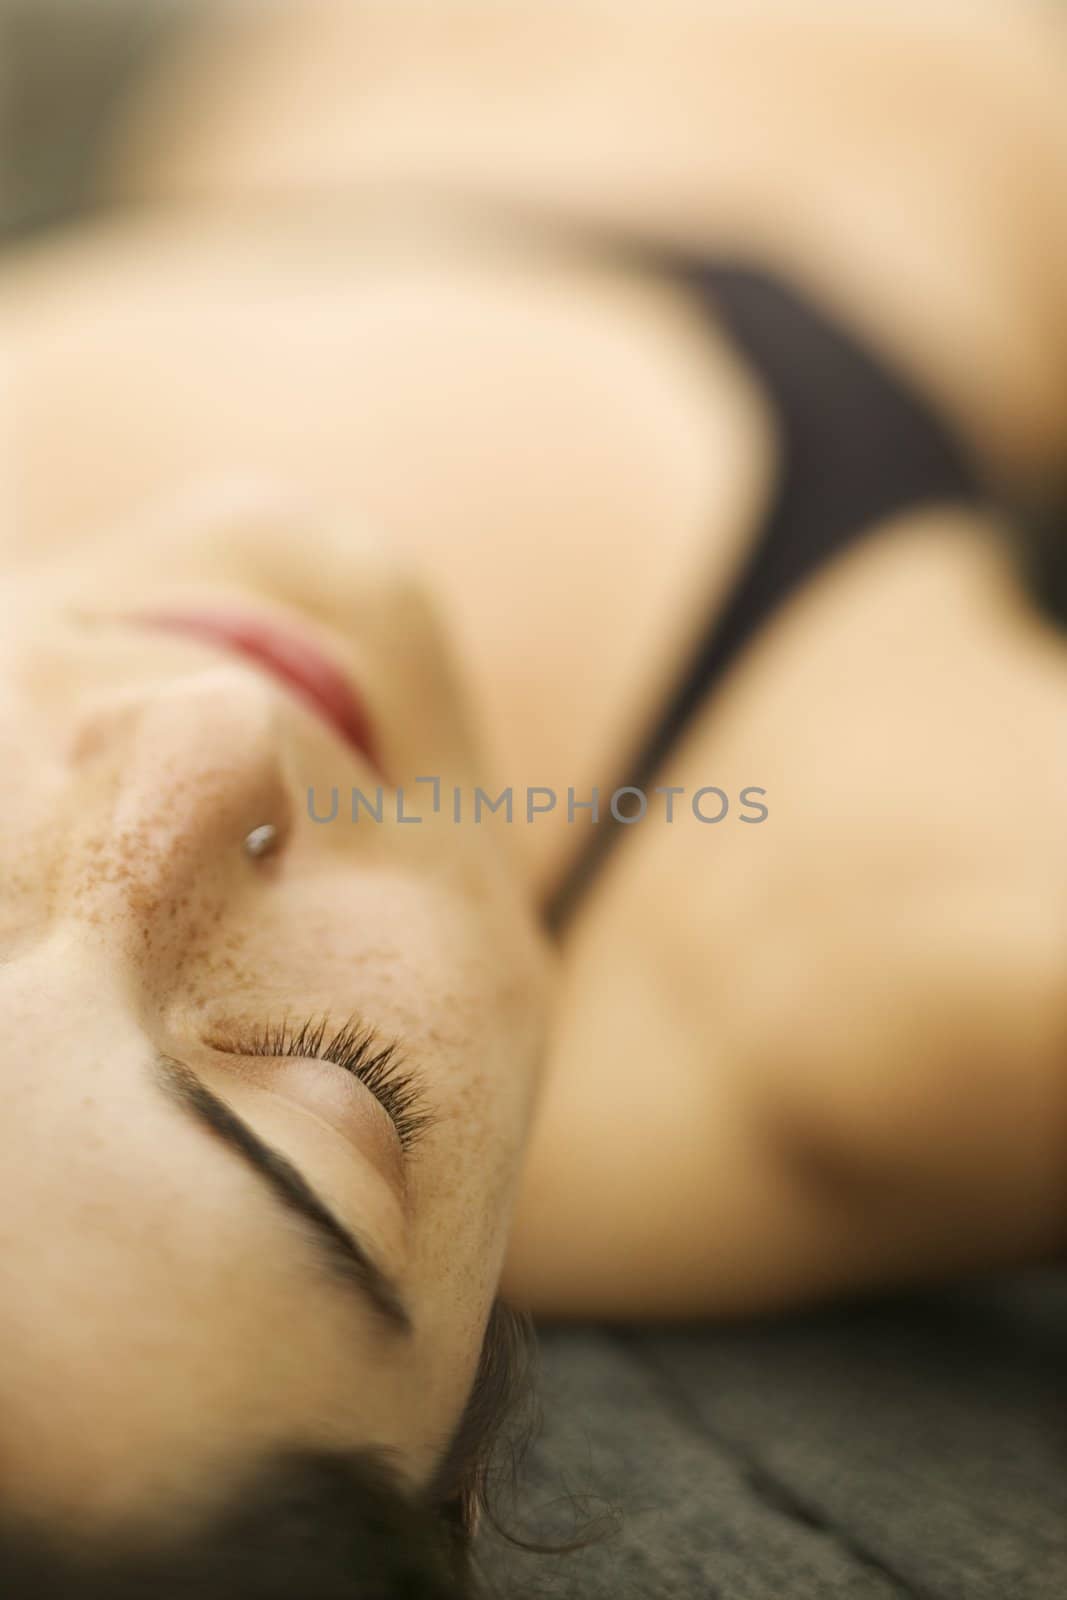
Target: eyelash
360, 1051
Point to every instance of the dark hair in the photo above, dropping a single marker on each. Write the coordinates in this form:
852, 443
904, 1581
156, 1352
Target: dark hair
304, 1524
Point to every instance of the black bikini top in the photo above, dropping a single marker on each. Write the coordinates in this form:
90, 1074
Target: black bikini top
858, 444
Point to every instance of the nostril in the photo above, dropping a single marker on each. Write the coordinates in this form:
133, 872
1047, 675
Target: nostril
200, 771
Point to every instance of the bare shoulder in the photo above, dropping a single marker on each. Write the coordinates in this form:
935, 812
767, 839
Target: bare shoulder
828, 1050
907, 157
318, 92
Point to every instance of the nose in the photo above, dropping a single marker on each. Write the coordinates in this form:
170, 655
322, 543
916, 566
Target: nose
182, 774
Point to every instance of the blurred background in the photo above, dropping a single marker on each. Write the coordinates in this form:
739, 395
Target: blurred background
64, 64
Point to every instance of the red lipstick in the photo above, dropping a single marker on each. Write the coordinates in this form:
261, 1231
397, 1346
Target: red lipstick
288, 657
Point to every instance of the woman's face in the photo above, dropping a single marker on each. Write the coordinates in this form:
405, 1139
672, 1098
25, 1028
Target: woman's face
208, 1247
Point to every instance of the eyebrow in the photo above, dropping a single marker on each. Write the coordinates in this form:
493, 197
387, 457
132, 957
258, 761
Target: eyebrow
342, 1251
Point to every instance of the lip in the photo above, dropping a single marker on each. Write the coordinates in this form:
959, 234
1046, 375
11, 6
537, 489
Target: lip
290, 658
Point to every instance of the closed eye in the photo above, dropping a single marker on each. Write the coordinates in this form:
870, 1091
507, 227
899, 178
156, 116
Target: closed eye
355, 1047
340, 1248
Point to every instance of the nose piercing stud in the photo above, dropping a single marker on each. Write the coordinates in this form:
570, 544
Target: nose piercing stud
261, 840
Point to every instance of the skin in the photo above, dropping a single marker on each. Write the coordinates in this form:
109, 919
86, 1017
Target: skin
199, 1325
936, 220
820, 1054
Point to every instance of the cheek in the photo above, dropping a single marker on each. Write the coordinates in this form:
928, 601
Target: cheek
467, 1182
459, 982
